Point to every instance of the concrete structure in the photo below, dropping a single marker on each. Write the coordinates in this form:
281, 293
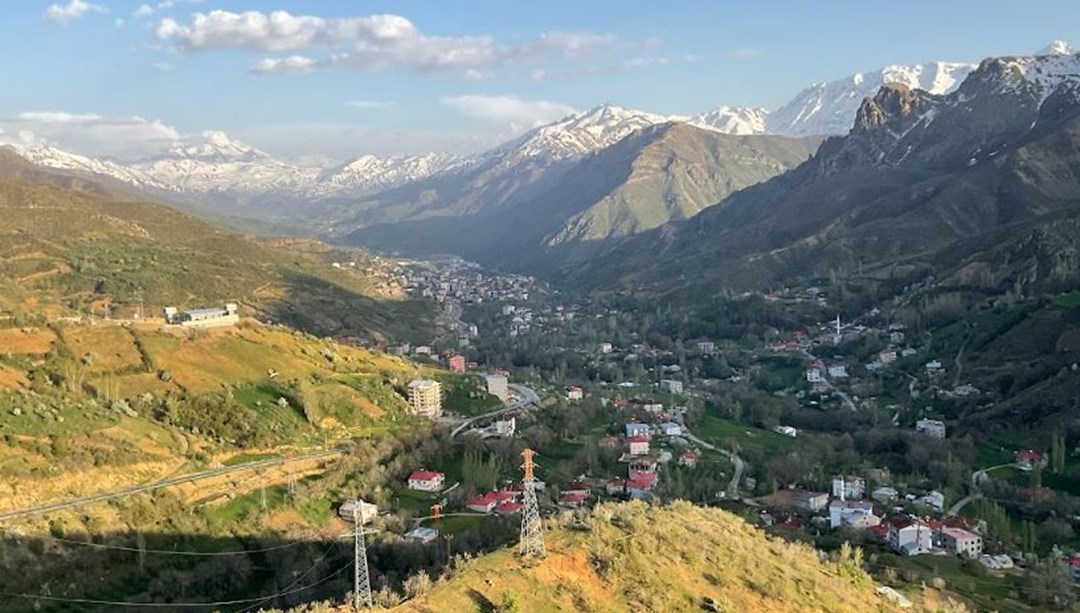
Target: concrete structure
884, 494
1028, 459
848, 487
574, 393
423, 535
425, 398
706, 347
606, 348
931, 427
909, 536
498, 386
809, 501
786, 431
426, 481
961, 542
689, 458
669, 428
838, 371
505, 425
639, 445
368, 511
671, 386
226, 315
482, 503
858, 514
635, 428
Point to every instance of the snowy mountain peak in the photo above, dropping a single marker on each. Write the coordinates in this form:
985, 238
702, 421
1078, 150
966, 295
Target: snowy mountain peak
828, 107
733, 120
1058, 47
213, 146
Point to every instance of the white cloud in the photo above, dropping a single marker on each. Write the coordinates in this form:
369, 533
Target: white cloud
292, 63
144, 10
93, 134
371, 105
369, 43
509, 111
63, 13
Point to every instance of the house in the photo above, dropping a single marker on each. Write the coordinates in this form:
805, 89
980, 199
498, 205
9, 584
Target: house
422, 350
857, 514
226, 315
815, 373
838, 371
1028, 459
689, 458
933, 367
810, 501
706, 347
641, 486
642, 467
896, 338
577, 487
606, 348
639, 445
848, 487
935, 500
498, 386
572, 501
422, 535
884, 495
457, 363
426, 481
635, 428
425, 398
368, 511
909, 536
1004, 562
505, 425
669, 428
961, 542
482, 503
508, 507
786, 431
671, 386
574, 393
931, 427
887, 356
653, 407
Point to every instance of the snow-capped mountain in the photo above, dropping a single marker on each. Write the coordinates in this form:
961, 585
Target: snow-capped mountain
829, 107
578, 134
1058, 47
53, 157
733, 120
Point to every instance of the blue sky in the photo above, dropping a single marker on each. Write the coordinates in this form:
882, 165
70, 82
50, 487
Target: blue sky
341, 78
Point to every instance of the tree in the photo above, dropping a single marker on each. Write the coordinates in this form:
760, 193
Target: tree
1049, 585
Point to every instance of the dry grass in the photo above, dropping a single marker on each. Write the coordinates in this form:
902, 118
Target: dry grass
112, 347
11, 379
26, 341
634, 557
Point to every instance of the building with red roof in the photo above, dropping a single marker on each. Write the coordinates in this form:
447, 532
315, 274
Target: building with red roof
426, 481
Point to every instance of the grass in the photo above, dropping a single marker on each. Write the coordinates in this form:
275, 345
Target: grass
988, 593
754, 441
246, 458
465, 396
1068, 301
611, 563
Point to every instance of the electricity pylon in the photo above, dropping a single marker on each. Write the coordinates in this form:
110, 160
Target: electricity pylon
361, 580
532, 532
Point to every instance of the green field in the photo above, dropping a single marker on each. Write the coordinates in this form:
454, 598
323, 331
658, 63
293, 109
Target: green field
755, 441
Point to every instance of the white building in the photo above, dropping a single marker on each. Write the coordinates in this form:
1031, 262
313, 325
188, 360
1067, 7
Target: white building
931, 427
961, 542
637, 429
838, 371
786, 431
910, 537
426, 481
505, 426
669, 428
574, 393
227, 315
884, 494
606, 348
848, 487
498, 386
425, 398
671, 386
368, 511
858, 514
706, 347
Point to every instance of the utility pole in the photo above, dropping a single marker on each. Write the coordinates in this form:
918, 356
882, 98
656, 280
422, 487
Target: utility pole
436, 518
532, 532
361, 581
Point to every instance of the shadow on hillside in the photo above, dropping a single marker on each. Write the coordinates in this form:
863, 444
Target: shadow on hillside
77, 572
321, 307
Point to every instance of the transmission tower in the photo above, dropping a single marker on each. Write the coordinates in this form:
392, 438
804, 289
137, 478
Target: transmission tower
436, 517
532, 532
361, 580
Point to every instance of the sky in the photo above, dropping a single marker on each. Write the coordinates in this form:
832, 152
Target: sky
341, 78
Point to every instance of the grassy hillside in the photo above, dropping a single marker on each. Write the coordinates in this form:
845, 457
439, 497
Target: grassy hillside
71, 246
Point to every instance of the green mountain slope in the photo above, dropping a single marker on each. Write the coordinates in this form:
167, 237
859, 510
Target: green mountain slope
69, 245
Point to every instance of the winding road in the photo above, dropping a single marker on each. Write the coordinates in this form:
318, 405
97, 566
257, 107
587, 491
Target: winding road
120, 493
740, 465
843, 395
526, 397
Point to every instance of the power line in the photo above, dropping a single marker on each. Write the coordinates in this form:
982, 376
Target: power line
296, 581
171, 551
220, 603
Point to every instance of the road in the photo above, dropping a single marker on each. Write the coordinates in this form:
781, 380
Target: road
740, 465
113, 494
976, 478
526, 397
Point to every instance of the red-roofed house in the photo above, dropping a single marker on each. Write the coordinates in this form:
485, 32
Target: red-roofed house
689, 458
961, 542
641, 486
426, 481
616, 486
642, 467
909, 536
457, 363
482, 504
572, 500
577, 487
639, 445
508, 507
1028, 459
880, 531
574, 393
